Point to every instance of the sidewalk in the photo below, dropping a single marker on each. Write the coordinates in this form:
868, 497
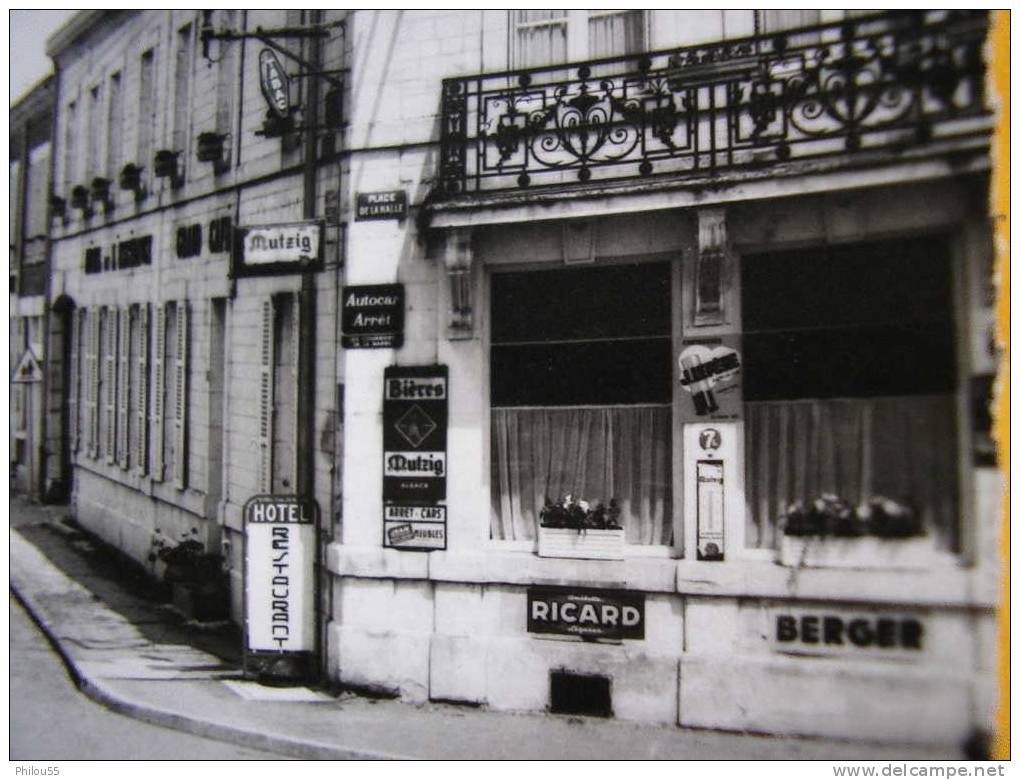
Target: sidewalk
133, 656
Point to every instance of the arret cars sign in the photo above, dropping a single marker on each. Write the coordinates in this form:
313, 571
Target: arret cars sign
279, 583
280, 248
274, 83
591, 614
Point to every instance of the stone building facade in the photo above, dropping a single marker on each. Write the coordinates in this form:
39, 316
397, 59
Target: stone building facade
637, 373
30, 150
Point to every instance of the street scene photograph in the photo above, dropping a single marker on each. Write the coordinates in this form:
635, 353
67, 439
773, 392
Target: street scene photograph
470, 385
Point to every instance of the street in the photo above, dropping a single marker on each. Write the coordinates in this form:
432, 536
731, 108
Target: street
51, 720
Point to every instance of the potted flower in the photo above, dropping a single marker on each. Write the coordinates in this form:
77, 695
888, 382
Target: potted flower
195, 576
131, 180
829, 532
576, 528
165, 166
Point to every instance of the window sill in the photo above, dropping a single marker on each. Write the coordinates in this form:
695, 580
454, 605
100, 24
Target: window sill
950, 585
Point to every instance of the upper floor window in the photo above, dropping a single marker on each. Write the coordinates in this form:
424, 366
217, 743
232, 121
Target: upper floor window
146, 106
545, 37
70, 146
95, 133
114, 123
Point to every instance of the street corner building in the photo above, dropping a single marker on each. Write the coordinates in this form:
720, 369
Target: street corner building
622, 363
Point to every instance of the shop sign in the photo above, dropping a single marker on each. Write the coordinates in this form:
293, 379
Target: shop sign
274, 83
415, 410
281, 248
28, 369
391, 204
831, 632
279, 582
372, 316
710, 374
414, 527
591, 614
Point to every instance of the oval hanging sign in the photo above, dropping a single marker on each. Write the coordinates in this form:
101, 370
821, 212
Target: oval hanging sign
275, 87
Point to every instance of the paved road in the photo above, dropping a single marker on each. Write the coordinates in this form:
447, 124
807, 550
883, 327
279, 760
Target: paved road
51, 720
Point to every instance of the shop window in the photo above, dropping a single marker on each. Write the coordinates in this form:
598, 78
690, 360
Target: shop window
580, 396
849, 380
547, 37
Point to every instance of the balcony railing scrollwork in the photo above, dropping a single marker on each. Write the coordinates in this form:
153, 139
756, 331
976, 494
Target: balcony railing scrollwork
884, 82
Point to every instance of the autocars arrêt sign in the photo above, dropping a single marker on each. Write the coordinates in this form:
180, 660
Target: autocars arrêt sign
372, 316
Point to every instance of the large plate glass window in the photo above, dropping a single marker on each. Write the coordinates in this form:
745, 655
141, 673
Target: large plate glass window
850, 381
580, 395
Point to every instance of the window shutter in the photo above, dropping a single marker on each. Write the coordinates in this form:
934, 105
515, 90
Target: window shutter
295, 364
158, 390
92, 378
74, 375
110, 385
124, 388
180, 398
142, 419
265, 473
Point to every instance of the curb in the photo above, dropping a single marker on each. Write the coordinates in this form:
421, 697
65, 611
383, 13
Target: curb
209, 729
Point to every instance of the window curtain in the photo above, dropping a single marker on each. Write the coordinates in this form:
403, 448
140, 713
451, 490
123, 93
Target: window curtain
595, 454
538, 43
615, 32
901, 447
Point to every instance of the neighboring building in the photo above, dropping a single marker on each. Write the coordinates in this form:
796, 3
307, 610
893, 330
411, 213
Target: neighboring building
697, 267
32, 453
191, 387
800, 195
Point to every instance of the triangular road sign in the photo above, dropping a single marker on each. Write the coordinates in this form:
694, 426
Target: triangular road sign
28, 369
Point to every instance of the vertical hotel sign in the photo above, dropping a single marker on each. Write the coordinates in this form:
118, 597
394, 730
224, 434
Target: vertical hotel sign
279, 574
415, 414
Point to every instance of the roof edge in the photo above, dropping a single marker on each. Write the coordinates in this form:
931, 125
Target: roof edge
73, 29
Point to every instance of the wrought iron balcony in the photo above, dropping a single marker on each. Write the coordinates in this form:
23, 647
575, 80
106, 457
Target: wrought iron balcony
889, 82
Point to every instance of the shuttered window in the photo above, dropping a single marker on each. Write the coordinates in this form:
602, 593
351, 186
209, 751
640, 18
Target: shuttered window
74, 373
123, 387
180, 410
141, 389
158, 391
92, 384
110, 385
265, 437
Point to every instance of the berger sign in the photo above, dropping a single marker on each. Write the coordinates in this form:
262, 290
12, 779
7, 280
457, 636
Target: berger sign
844, 633
414, 434
279, 570
373, 316
591, 614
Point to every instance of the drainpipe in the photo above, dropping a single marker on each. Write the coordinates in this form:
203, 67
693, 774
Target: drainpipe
306, 358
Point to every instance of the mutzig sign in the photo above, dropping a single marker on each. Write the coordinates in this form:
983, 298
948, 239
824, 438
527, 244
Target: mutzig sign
285, 247
279, 574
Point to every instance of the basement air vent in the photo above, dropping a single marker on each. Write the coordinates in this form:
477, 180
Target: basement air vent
580, 694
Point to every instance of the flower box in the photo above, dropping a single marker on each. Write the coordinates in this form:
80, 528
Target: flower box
603, 544
861, 552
